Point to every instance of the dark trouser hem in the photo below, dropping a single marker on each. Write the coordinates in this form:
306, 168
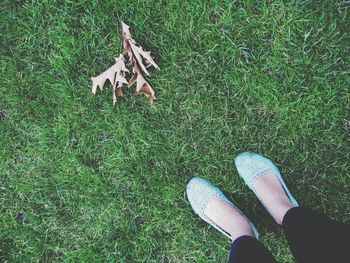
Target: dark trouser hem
247, 249
315, 238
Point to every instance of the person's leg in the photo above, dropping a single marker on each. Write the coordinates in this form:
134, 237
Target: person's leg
227, 218
271, 193
315, 238
246, 249
213, 207
312, 238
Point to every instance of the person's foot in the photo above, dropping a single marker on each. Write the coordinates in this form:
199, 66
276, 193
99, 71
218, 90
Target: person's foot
228, 218
271, 193
212, 206
263, 177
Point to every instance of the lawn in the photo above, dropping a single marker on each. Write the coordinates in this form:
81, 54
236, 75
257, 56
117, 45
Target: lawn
83, 181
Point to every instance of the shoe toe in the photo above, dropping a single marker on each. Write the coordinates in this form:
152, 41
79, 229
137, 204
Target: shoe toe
199, 191
245, 159
250, 165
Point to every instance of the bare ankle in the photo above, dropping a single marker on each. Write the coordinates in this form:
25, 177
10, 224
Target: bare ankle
228, 218
272, 195
281, 212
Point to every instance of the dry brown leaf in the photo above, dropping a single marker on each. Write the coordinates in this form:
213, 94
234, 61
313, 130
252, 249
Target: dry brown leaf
140, 61
135, 51
142, 86
116, 75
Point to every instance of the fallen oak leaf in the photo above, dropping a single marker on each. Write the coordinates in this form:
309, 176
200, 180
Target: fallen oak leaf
116, 75
142, 86
135, 51
125, 32
138, 58
99, 81
119, 78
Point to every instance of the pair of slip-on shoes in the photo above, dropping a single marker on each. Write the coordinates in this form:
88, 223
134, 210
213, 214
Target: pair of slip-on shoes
250, 166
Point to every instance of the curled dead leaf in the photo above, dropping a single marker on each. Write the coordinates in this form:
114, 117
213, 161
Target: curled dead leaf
138, 58
135, 51
116, 75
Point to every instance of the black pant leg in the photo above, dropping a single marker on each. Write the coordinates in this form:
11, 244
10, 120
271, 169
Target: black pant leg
316, 239
247, 249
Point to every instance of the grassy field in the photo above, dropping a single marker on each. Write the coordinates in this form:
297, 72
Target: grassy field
83, 181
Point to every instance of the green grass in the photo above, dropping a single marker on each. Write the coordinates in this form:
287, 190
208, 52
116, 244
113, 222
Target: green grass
102, 183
